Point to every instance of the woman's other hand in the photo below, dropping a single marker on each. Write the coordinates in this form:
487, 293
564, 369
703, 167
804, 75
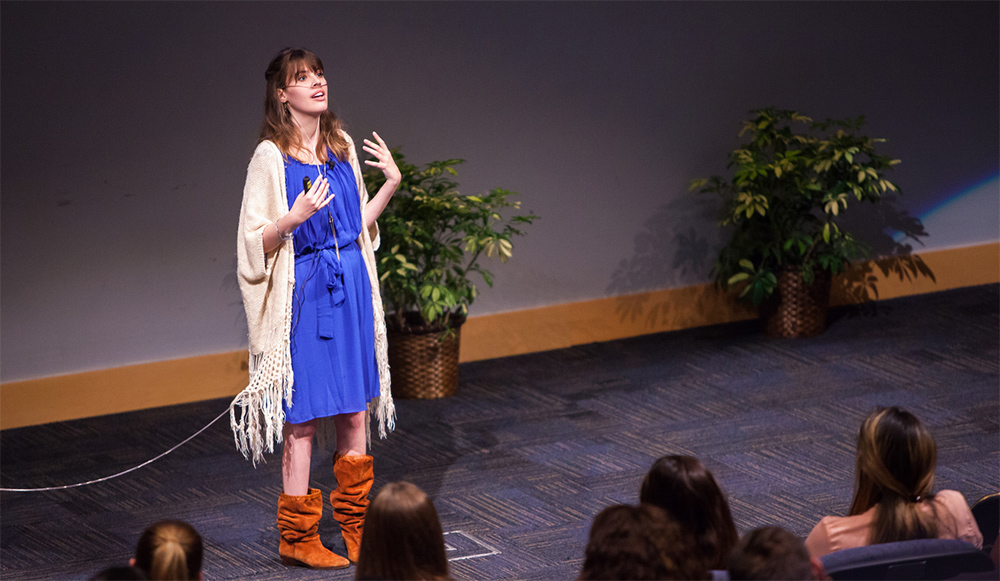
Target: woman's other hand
383, 159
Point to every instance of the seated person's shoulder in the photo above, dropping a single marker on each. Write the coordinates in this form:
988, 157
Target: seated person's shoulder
951, 497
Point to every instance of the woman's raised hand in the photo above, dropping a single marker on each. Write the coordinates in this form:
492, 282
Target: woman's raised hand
309, 202
383, 159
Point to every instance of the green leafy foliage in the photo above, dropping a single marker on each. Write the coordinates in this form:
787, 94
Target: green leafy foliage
433, 241
793, 179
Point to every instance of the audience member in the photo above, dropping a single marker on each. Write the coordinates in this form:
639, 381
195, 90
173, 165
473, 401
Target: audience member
170, 550
773, 554
682, 486
893, 491
402, 538
640, 542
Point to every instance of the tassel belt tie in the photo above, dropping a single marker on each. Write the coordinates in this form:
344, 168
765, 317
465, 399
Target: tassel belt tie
327, 268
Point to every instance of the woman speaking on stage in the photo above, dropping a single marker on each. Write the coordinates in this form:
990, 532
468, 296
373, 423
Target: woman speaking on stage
317, 340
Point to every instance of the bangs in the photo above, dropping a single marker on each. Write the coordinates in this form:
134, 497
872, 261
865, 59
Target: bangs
301, 61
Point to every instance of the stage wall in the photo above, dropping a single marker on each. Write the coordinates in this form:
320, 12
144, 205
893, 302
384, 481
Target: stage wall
127, 128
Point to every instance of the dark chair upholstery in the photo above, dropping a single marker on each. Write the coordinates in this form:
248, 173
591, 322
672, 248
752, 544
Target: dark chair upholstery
918, 559
986, 511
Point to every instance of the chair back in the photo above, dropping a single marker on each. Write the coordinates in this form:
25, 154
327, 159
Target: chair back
986, 511
917, 559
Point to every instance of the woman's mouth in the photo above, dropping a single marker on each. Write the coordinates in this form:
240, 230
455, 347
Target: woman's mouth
319, 95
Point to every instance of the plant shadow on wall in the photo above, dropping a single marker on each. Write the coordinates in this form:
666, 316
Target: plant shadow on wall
857, 285
785, 210
668, 249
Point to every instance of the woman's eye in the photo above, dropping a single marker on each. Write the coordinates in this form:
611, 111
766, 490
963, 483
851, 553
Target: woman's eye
319, 74
301, 78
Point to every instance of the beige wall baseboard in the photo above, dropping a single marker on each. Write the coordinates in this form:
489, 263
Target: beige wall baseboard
121, 389
135, 387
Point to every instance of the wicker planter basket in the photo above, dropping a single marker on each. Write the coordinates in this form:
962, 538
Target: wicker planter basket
423, 364
797, 309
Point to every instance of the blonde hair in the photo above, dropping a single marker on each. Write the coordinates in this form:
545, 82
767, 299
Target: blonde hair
170, 550
896, 458
278, 124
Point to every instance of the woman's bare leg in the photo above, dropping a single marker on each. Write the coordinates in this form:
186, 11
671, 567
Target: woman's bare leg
296, 457
351, 437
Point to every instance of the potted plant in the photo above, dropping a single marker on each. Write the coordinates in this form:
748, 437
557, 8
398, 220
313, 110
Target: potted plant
793, 179
433, 240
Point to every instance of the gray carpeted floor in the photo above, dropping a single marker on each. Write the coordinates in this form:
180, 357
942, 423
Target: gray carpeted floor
533, 446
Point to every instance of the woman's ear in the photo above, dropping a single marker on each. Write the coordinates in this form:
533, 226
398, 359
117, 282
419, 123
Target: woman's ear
131, 562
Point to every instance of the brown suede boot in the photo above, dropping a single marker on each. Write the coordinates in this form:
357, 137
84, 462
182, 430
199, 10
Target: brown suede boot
350, 499
298, 519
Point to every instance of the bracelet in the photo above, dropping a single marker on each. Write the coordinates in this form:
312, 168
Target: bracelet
281, 235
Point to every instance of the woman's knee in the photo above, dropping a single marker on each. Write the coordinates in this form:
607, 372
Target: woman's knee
354, 421
301, 431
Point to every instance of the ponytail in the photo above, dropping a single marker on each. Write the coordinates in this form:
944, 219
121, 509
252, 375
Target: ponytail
169, 560
895, 474
899, 519
170, 550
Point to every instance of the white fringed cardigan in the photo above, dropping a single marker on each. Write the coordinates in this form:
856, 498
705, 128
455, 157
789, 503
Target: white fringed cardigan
267, 283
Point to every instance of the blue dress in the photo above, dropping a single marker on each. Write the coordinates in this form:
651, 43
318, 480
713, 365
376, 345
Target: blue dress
333, 332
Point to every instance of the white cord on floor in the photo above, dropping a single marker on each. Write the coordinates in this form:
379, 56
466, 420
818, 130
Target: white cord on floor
122, 473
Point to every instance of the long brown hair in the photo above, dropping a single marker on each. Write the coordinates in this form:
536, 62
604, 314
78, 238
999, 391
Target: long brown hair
682, 486
895, 473
170, 550
402, 536
278, 124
